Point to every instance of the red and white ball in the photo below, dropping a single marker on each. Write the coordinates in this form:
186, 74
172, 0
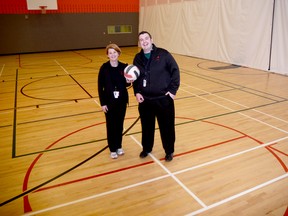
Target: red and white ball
131, 72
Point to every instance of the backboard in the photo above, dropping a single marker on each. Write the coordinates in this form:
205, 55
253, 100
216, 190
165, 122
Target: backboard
39, 4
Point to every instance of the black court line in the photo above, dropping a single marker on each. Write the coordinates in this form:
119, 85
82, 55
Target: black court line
230, 113
4, 126
59, 117
15, 117
94, 141
64, 147
75, 81
198, 65
219, 115
65, 172
52, 179
60, 148
188, 122
232, 66
28, 191
230, 84
54, 99
209, 117
60, 101
57, 100
80, 86
87, 113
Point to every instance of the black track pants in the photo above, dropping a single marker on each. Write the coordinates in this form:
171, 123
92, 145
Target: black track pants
164, 111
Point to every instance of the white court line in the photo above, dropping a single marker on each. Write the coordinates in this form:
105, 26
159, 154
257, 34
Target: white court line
172, 175
2, 69
240, 113
166, 176
61, 67
97, 195
205, 208
239, 195
271, 116
97, 103
232, 155
231, 101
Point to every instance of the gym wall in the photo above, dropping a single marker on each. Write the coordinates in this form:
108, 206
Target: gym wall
243, 32
75, 25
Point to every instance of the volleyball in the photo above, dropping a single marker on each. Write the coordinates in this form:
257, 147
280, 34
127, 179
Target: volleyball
131, 72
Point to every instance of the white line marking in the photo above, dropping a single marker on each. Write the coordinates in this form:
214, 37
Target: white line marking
173, 175
271, 116
225, 107
215, 95
239, 195
2, 70
98, 195
232, 155
97, 103
61, 67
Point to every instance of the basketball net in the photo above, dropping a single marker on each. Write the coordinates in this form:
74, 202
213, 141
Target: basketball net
43, 9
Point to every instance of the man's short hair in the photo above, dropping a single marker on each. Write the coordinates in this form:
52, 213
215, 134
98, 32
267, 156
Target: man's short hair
144, 32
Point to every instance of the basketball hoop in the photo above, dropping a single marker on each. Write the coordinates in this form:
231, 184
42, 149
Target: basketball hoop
43, 9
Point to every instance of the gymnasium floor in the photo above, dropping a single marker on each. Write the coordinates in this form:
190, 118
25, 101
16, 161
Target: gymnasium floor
231, 153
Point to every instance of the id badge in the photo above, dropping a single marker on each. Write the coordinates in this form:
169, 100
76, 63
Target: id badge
116, 94
144, 83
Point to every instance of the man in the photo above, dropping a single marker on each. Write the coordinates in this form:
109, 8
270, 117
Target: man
155, 90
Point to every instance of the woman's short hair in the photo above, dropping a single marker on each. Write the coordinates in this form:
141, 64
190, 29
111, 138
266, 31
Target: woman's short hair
113, 46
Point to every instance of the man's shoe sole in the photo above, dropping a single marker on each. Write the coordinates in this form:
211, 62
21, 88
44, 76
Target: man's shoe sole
143, 154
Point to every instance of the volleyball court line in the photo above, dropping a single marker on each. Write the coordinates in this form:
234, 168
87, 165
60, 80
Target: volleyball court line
240, 113
205, 208
239, 195
170, 174
234, 102
2, 69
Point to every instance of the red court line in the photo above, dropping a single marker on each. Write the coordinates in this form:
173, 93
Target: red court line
230, 128
270, 150
95, 176
258, 141
209, 146
281, 152
278, 158
176, 155
80, 54
27, 206
26, 200
134, 166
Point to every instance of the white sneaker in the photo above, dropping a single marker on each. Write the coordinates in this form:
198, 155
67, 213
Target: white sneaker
113, 155
120, 151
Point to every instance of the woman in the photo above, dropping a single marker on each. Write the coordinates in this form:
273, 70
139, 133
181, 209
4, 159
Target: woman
113, 97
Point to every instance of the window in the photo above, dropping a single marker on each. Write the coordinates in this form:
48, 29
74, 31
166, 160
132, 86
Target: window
119, 29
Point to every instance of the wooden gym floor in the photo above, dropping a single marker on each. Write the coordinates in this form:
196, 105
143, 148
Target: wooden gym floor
231, 147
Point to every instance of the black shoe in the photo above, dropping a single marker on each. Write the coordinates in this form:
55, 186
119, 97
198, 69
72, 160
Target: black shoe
143, 154
169, 157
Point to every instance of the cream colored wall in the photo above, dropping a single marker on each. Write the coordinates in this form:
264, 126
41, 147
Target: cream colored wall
236, 32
